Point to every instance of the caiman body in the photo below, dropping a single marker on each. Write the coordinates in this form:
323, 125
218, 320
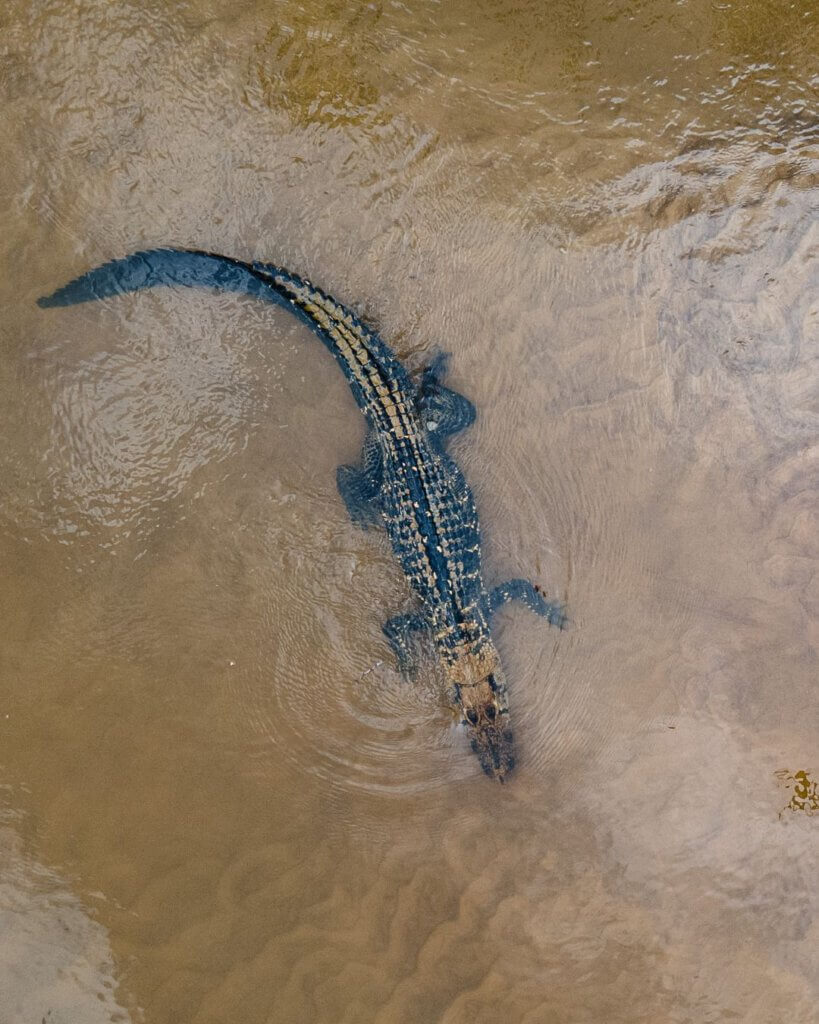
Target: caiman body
405, 480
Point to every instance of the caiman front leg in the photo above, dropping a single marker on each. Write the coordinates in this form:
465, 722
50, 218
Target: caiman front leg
360, 486
445, 412
528, 594
400, 631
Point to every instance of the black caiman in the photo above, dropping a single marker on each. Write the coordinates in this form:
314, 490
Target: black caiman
405, 480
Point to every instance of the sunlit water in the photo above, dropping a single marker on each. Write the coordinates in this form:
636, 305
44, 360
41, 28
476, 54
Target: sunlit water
220, 801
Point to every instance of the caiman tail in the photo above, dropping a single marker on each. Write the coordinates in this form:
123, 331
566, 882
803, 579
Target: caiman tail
377, 379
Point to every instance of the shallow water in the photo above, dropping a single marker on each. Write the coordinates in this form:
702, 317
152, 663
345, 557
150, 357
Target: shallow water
220, 802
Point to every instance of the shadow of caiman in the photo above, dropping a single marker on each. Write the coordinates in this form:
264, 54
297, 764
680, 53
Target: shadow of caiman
405, 480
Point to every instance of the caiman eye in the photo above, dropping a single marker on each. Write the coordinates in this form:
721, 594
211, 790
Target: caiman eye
490, 712
472, 716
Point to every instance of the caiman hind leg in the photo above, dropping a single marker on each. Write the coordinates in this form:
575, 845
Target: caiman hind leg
530, 595
360, 486
445, 412
401, 631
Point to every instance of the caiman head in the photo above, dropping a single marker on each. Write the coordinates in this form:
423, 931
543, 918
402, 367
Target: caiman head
480, 697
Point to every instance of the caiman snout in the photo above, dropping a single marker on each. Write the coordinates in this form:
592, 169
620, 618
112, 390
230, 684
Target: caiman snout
491, 740
480, 694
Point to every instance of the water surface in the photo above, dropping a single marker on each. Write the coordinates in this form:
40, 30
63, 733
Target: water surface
220, 802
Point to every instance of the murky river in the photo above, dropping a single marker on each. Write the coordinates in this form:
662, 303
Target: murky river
219, 801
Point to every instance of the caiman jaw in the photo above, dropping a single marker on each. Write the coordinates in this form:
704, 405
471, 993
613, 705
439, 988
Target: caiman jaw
484, 713
493, 744
479, 694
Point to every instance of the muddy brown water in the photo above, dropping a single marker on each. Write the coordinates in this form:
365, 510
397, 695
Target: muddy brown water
219, 801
